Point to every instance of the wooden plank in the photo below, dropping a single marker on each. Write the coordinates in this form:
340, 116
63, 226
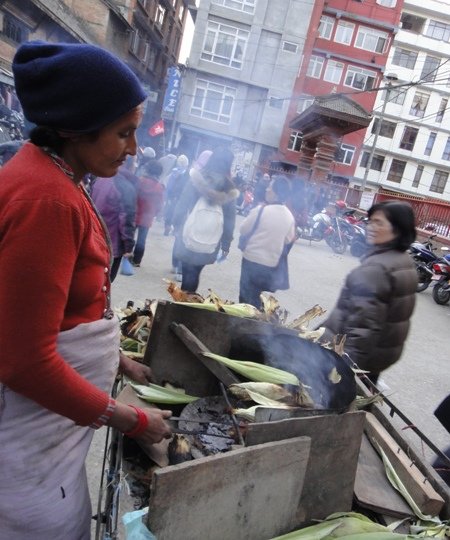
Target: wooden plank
197, 348
250, 494
335, 443
423, 494
372, 488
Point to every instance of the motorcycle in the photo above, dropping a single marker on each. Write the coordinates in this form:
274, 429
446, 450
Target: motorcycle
424, 256
322, 226
441, 274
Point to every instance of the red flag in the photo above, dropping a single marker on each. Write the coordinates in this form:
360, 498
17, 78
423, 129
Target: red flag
157, 129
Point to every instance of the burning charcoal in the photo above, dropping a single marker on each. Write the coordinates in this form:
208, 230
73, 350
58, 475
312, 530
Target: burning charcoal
179, 450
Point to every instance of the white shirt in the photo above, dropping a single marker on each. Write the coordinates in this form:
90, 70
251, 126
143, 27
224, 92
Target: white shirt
276, 228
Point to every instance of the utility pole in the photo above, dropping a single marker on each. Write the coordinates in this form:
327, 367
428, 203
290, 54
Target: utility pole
390, 78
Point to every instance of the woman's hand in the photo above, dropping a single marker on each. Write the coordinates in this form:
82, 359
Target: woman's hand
134, 370
126, 418
157, 429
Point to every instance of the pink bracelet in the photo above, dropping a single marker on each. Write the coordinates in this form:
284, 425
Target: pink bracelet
141, 426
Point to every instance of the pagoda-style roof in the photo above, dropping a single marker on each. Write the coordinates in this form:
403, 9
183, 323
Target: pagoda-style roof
332, 113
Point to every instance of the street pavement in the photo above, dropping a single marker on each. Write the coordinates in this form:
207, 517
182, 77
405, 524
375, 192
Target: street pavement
417, 383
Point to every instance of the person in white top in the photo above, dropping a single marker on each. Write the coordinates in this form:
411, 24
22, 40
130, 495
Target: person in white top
269, 232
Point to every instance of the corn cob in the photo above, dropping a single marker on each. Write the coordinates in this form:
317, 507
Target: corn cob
255, 371
158, 394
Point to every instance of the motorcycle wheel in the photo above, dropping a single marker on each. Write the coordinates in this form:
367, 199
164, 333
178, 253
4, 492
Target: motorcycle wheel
424, 279
337, 245
441, 295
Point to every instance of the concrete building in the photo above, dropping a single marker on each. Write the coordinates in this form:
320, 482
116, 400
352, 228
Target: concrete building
412, 151
345, 53
146, 34
236, 89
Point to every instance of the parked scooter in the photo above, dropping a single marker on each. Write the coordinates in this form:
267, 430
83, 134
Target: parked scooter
424, 256
441, 274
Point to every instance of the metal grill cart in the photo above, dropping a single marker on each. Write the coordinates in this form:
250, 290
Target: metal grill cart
295, 466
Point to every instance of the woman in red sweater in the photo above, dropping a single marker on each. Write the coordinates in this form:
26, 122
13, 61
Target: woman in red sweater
59, 341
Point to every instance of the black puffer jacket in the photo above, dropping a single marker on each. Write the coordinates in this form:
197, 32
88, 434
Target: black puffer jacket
374, 308
216, 189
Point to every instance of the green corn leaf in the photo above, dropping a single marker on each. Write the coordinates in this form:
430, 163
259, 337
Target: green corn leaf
255, 371
159, 394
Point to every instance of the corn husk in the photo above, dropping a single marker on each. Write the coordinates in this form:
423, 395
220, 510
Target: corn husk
269, 390
334, 376
301, 323
159, 394
256, 372
348, 526
237, 310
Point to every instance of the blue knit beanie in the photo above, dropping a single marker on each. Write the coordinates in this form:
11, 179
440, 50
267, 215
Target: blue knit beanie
73, 87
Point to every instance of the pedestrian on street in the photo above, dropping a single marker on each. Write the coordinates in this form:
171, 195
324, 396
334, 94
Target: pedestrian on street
260, 189
375, 305
145, 156
54, 269
150, 200
204, 217
175, 185
115, 199
267, 235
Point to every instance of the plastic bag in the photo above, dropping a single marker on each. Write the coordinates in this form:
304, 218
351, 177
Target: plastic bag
126, 268
134, 527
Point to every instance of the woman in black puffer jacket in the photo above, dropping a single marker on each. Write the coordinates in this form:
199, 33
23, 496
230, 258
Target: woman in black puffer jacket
377, 300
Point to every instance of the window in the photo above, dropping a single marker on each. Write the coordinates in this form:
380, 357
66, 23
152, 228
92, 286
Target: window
446, 153
387, 129
409, 137
333, 72
224, 45
315, 66
159, 15
295, 141
430, 144
370, 39
359, 78
345, 154
14, 30
417, 176
377, 161
419, 104
412, 23
430, 67
276, 103
387, 3
396, 171
140, 47
145, 4
344, 32
438, 30
404, 58
290, 47
304, 102
247, 6
396, 95
326, 27
213, 101
441, 110
439, 181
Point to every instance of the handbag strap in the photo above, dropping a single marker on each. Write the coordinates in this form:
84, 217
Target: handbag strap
255, 225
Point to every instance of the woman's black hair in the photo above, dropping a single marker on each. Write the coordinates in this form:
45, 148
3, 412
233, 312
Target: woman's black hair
281, 187
45, 136
220, 161
153, 168
401, 216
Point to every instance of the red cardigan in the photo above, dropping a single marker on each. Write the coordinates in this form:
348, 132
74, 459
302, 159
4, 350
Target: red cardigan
54, 275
